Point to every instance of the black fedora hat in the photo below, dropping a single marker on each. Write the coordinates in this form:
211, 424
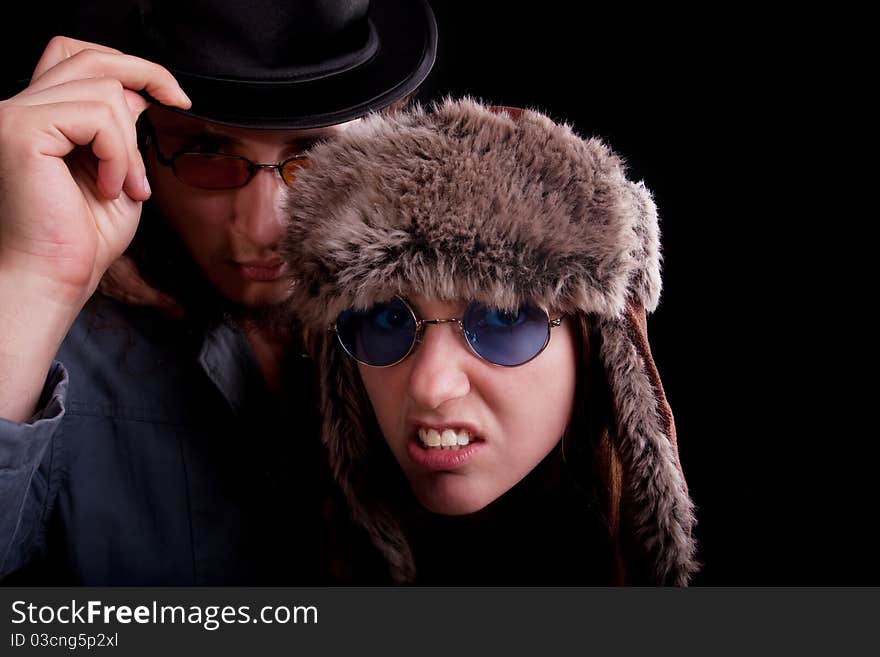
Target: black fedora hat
280, 63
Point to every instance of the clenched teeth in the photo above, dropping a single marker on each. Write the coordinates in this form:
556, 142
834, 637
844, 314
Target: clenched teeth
446, 439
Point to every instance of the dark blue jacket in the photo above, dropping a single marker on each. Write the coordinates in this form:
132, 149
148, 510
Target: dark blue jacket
157, 457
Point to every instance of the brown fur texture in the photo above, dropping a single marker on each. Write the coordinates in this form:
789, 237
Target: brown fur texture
462, 202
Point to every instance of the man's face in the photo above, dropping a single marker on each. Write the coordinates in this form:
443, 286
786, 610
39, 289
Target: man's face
233, 234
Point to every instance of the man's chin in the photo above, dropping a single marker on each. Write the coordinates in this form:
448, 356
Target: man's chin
263, 307
259, 297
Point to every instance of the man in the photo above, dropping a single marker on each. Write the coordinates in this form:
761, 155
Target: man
151, 453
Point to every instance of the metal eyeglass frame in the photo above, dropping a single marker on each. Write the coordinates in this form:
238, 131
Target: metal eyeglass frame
419, 332
151, 139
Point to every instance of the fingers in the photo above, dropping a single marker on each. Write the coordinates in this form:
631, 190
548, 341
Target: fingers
66, 59
60, 48
136, 103
55, 129
110, 91
123, 282
75, 78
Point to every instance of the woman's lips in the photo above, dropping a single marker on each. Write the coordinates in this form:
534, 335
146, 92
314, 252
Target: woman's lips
442, 459
270, 270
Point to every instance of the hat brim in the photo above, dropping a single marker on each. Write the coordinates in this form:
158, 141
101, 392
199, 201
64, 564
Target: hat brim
406, 53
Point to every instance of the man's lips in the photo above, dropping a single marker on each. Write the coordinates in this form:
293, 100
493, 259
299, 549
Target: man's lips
262, 270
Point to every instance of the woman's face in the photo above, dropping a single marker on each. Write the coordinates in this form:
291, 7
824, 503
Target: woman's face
513, 416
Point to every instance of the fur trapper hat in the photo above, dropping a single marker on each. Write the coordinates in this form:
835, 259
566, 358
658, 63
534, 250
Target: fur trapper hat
463, 201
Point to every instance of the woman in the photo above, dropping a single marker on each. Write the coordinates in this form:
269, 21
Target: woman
491, 408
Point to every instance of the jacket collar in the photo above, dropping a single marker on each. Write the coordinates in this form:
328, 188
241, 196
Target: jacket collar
229, 362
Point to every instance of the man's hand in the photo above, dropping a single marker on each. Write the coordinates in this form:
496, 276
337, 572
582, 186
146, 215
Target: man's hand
71, 177
71, 186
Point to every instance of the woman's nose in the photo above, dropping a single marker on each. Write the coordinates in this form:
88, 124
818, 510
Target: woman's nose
439, 366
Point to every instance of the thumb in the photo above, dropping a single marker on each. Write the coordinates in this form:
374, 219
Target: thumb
136, 103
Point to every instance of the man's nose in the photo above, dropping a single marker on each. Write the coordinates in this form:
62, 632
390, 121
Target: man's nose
257, 208
440, 367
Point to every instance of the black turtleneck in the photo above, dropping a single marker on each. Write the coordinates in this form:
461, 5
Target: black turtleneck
546, 530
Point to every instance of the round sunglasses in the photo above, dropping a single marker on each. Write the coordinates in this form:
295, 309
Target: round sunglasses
387, 333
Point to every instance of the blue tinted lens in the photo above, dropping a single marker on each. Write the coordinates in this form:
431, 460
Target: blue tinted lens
506, 338
379, 336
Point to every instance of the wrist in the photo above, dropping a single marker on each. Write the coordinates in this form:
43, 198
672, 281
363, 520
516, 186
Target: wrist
33, 324
34, 286
37, 312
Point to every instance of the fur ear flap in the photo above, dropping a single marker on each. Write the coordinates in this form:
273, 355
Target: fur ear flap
347, 426
645, 282
663, 514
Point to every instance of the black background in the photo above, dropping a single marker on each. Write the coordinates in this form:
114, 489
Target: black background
735, 118
712, 109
